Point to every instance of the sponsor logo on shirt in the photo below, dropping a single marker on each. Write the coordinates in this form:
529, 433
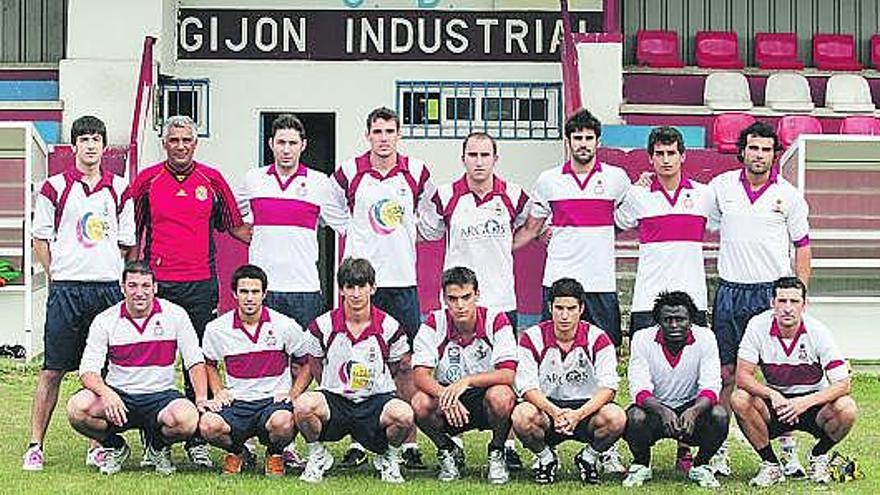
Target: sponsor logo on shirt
201, 193
91, 229
355, 375
490, 229
386, 215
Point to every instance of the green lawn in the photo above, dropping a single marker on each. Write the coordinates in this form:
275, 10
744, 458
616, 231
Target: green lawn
65, 451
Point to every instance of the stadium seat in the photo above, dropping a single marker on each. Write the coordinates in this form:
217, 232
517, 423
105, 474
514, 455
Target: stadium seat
848, 93
835, 52
777, 51
788, 92
718, 50
860, 124
875, 51
727, 91
658, 49
792, 126
726, 128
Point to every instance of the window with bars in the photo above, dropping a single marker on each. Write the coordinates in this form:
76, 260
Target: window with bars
190, 97
505, 110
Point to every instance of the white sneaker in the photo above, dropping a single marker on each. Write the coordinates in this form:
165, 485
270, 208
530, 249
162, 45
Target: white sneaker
388, 465
703, 476
610, 462
769, 474
114, 459
820, 471
95, 457
637, 475
498, 474
33, 459
292, 459
318, 462
791, 464
448, 466
200, 455
720, 462
160, 459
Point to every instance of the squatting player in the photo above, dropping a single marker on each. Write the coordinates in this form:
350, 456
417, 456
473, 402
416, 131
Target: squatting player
355, 350
464, 362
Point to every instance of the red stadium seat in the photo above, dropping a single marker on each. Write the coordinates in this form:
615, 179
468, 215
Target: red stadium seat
791, 126
718, 50
777, 51
860, 124
835, 52
658, 49
726, 128
875, 51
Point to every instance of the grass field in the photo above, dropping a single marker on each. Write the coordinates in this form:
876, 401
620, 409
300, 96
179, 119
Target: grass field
65, 451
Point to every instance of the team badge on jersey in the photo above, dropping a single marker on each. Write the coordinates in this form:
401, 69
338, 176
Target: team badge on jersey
91, 229
386, 215
777, 207
158, 330
201, 193
301, 189
600, 187
688, 201
802, 353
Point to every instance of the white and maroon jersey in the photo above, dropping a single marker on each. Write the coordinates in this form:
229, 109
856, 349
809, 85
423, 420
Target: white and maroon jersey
758, 228
589, 365
671, 228
383, 214
257, 364
674, 379
141, 352
285, 214
356, 367
85, 227
805, 363
581, 208
440, 346
479, 234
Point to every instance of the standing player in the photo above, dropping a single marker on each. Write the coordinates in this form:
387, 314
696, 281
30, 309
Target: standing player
580, 197
762, 216
285, 202
256, 345
81, 223
478, 213
355, 350
384, 190
567, 376
807, 383
179, 203
139, 340
465, 361
674, 379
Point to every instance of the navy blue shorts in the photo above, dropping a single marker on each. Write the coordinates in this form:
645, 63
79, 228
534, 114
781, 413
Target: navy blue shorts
303, 307
806, 422
473, 399
600, 308
644, 319
582, 432
735, 304
70, 309
358, 419
143, 413
248, 419
199, 300
402, 304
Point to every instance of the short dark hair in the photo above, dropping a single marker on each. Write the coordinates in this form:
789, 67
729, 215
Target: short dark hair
758, 129
665, 135
87, 125
580, 120
137, 267
674, 298
460, 275
288, 121
566, 287
355, 272
790, 283
479, 135
252, 272
383, 113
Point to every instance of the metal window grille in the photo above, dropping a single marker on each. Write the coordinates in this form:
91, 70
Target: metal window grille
504, 110
190, 97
